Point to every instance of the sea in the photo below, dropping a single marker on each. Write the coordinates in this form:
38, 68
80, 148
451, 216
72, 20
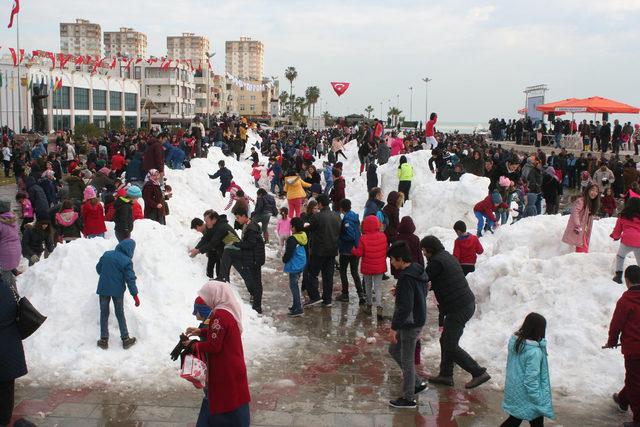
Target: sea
461, 127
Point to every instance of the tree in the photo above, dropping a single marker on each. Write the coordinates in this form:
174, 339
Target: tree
368, 110
394, 113
300, 104
290, 73
284, 97
312, 93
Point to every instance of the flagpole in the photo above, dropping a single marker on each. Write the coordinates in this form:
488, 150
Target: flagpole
19, 82
6, 95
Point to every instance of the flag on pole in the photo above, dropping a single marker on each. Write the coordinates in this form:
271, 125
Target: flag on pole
31, 83
14, 12
52, 57
21, 56
165, 64
14, 56
113, 63
51, 85
58, 84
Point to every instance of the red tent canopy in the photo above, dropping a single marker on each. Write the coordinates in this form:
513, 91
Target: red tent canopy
594, 104
551, 106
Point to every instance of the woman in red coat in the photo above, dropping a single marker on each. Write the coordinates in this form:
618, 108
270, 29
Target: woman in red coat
373, 250
153, 197
92, 214
227, 400
338, 190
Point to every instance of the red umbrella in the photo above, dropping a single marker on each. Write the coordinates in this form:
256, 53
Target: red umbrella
597, 104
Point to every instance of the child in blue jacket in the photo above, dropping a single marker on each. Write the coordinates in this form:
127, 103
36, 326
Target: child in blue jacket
527, 391
116, 274
295, 259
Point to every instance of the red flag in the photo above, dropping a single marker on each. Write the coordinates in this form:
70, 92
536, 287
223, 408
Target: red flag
63, 59
165, 64
190, 64
14, 56
35, 53
129, 63
59, 84
139, 60
152, 60
340, 87
52, 57
96, 64
113, 63
79, 60
14, 11
200, 67
21, 56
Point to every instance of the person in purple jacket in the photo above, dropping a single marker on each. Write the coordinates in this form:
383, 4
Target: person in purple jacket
10, 246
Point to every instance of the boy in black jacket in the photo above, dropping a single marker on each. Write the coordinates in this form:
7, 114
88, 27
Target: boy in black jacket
409, 316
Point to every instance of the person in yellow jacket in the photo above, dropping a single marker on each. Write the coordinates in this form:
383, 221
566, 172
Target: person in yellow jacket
294, 187
405, 175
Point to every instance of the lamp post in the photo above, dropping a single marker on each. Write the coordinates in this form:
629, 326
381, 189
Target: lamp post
209, 56
410, 103
381, 111
426, 97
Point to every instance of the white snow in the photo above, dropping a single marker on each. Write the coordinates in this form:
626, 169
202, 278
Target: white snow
63, 287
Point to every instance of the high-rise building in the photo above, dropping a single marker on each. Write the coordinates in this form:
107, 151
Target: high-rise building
125, 42
188, 46
81, 38
245, 58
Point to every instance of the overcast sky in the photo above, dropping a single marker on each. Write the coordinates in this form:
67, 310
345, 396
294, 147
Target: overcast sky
480, 55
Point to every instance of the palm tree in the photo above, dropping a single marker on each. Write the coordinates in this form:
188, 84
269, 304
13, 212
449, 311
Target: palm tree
290, 73
300, 104
394, 113
326, 116
284, 97
368, 110
292, 100
312, 93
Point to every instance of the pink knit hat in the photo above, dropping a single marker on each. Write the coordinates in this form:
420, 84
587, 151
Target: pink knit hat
89, 193
105, 170
504, 181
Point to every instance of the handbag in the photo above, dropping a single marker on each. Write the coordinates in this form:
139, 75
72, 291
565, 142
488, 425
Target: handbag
194, 370
28, 318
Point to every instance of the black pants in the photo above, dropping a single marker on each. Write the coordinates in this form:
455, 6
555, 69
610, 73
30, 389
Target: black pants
515, 422
468, 268
450, 351
251, 274
213, 260
7, 168
404, 187
326, 265
351, 262
6, 401
122, 235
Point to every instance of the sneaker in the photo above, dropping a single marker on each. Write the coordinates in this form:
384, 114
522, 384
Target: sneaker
327, 304
342, 298
621, 407
128, 342
295, 313
257, 309
420, 388
103, 343
367, 310
402, 403
479, 380
313, 302
441, 380
618, 277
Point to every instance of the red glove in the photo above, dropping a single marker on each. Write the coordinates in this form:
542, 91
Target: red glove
137, 300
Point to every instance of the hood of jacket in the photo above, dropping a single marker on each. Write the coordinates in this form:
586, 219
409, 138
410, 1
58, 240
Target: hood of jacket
406, 226
291, 179
301, 238
392, 198
416, 271
127, 247
8, 218
371, 224
632, 294
67, 217
529, 343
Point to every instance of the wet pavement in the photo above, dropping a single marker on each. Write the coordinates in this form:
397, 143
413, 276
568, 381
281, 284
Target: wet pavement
332, 376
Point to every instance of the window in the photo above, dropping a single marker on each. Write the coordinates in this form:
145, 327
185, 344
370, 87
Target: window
61, 122
253, 97
242, 107
81, 99
81, 119
130, 101
61, 98
100, 121
137, 74
99, 99
253, 108
130, 122
115, 100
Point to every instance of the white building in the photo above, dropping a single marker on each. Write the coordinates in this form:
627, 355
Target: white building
125, 42
83, 98
245, 58
81, 38
171, 90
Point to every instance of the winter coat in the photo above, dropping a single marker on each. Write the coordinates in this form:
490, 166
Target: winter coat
265, 204
372, 247
578, 230
283, 226
294, 187
603, 178
324, 230
372, 206
76, 187
92, 218
123, 215
392, 212
9, 242
295, 254
405, 172
117, 162
225, 176
466, 249
38, 198
384, 152
12, 362
101, 181
338, 192
628, 230
34, 241
116, 269
69, 224
134, 168
406, 231
252, 245
550, 189
152, 196
227, 385
396, 146
626, 321
448, 283
527, 390
608, 205
410, 310
486, 207
349, 233
213, 240
372, 176
153, 157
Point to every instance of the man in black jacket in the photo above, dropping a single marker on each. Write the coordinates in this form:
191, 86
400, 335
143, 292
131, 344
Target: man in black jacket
457, 304
264, 210
324, 229
409, 317
215, 229
225, 176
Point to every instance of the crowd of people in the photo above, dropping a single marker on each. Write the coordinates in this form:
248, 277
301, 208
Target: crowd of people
64, 195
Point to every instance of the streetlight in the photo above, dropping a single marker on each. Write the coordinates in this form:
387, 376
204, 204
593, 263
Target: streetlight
381, 112
426, 97
209, 56
411, 103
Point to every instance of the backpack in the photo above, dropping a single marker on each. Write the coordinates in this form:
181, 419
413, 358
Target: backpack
298, 260
384, 220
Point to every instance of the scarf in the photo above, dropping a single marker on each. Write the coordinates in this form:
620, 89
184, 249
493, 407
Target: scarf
153, 175
220, 296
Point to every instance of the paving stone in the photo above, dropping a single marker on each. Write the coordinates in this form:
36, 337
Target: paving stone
184, 415
354, 420
320, 420
68, 422
273, 418
73, 410
113, 412
152, 413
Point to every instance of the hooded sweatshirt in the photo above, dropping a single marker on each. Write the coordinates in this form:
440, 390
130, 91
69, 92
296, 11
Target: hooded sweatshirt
411, 303
372, 247
116, 270
69, 223
466, 249
294, 187
406, 231
626, 322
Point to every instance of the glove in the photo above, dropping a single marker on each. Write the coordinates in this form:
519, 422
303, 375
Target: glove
211, 176
34, 259
137, 300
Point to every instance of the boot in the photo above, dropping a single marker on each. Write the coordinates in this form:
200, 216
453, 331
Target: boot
441, 380
367, 310
265, 235
128, 342
342, 298
379, 313
618, 277
479, 380
621, 407
103, 343
361, 300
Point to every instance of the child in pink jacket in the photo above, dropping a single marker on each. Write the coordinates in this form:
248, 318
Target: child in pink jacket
627, 230
283, 228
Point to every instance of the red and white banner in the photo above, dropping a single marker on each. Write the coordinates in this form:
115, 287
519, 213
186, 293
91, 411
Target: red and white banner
14, 12
340, 87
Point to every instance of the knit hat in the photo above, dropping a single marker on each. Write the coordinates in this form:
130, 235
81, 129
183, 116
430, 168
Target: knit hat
201, 307
5, 205
134, 192
496, 198
584, 176
89, 193
504, 181
105, 170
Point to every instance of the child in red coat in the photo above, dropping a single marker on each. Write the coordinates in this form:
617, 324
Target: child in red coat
373, 250
483, 210
608, 206
626, 321
466, 248
92, 215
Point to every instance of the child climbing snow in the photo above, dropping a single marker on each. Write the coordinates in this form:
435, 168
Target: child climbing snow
466, 248
484, 209
627, 230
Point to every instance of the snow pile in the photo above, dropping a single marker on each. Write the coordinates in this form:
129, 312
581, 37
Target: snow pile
63, 287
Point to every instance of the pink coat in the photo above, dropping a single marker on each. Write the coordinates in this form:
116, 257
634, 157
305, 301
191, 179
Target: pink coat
579, 226
396, 146
628, 230
283, 227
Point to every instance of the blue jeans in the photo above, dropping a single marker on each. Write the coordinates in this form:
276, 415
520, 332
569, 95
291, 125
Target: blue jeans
276, 182
295, 291
504, 217
118, 305
481, 218
328, 188
558, 138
